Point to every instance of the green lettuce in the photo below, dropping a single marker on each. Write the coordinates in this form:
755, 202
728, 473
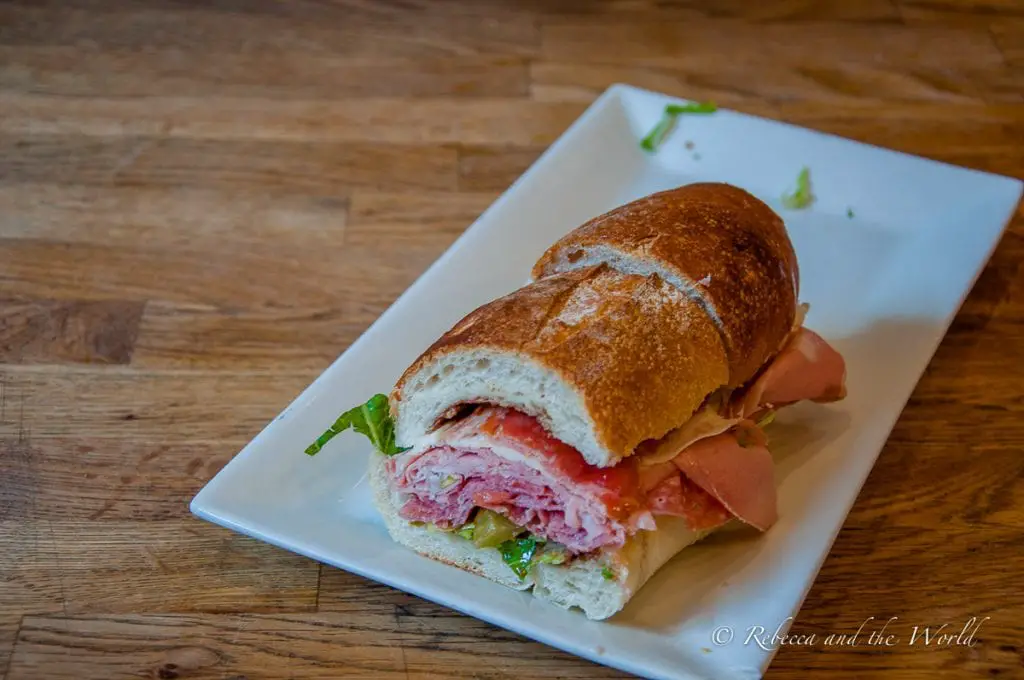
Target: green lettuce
660, 132
801, 197
518, 554
372, 419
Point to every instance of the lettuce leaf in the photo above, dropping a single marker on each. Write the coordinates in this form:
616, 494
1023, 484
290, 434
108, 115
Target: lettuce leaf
802, 196
372, 419
518, 554
660, 132
693, 107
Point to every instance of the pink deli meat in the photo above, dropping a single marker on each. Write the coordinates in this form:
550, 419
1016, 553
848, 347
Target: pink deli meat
559, 496
722, 470
735, 468
806, 368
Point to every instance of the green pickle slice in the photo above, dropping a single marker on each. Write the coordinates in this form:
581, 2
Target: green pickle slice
491, 529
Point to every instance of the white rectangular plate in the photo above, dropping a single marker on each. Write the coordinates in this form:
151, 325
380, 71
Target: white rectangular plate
883, 286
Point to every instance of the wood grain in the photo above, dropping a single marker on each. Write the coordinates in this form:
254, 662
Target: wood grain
378, 120
77, 332
435, 648
203, 203
195, 73
984, 137
379, 643
697, 10
118, 566
431, 220
1009, 37
413, 30
143, 406
975, 13
667, 43
493, 168
175, 218
408, 224
208, 646
19, 541
736, 85
102, 479
278, 165
907, 573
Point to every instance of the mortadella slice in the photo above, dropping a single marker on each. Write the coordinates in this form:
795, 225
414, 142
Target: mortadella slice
806, 368
735, 468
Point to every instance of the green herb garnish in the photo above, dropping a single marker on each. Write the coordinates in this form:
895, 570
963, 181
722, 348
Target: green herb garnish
802, 196
849, 213
518, 554
372, 419
608, 574
660, 132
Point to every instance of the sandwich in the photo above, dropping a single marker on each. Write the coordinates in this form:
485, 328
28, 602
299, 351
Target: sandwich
574, 435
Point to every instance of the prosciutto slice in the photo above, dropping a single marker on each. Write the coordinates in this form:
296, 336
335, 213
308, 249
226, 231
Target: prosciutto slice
806, 368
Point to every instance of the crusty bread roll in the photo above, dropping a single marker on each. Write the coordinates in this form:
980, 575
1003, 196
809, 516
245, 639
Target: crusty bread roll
603, 359
719, 244
580, 583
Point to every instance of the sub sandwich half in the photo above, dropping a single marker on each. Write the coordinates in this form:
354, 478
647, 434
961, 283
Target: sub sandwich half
573, 436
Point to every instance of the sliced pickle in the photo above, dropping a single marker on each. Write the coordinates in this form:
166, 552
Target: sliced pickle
492, 529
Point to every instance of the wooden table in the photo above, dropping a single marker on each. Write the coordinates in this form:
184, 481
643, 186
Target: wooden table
203, 203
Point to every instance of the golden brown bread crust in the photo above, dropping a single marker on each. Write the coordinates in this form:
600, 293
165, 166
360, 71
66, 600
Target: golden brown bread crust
640, 353
730, 245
